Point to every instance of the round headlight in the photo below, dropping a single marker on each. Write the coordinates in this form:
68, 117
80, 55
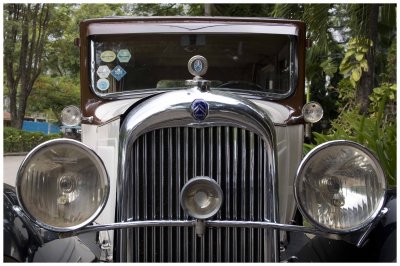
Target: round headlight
201, 197
62, 185
340, 186
71, 116
312, 112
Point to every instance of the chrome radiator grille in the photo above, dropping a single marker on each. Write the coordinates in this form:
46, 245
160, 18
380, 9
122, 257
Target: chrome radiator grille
162, 161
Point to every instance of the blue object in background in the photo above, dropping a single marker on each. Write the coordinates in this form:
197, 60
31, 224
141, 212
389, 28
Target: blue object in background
43, 127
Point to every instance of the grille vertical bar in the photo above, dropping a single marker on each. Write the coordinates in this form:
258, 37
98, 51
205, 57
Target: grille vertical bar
211, 173
243, 201
153, 180
137, 196
227, 189
219, 181
194, 173
234, 193
251, 195
162, 201
177, 192
164, 160
170, 197
185, 179
145, 181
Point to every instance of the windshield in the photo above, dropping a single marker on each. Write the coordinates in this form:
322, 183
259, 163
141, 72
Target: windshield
243, 62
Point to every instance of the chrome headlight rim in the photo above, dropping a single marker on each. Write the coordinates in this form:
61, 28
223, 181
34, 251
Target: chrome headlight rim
31, 155
211, 185
304, 163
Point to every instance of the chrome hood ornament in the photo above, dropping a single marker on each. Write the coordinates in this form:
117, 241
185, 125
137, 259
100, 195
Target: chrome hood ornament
198, 66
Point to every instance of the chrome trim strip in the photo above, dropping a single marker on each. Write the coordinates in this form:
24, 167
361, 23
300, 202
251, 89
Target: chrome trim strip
208, 223
212, 27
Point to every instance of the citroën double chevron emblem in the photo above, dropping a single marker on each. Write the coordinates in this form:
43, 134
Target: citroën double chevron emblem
199, 109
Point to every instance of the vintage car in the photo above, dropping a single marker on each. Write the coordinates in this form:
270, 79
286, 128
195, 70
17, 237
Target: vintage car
192, 151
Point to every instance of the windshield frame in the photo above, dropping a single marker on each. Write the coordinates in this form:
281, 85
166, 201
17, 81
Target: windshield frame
201, 28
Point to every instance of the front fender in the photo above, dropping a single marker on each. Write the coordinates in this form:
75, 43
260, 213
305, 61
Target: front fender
382, 240
380, 246
25, 242
20, 242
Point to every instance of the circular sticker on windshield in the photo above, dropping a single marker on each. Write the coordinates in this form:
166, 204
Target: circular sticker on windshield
108, 56
103, 72
103, 84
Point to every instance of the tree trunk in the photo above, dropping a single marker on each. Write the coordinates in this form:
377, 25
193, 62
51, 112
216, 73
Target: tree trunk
367, 83
25, 38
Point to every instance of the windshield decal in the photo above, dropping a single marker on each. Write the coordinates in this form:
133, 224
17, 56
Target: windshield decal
107, 56
118, 72
103, 84
103, 72
124, 56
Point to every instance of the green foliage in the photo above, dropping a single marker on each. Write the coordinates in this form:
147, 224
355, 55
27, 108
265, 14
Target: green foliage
354, 62
62, 57
329, 66
166, 9
89, 11
388, 65
346, 94
16, 140
383, 95
52, 94
243, 10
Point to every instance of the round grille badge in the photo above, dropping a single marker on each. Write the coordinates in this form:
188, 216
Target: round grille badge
198, 65
199, 109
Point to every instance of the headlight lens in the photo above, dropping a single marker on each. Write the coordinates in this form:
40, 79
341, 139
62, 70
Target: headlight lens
62, 185
312, 112
201, 197
71, 116
340, 186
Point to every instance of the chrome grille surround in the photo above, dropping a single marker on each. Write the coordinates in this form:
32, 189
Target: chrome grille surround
232, 129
